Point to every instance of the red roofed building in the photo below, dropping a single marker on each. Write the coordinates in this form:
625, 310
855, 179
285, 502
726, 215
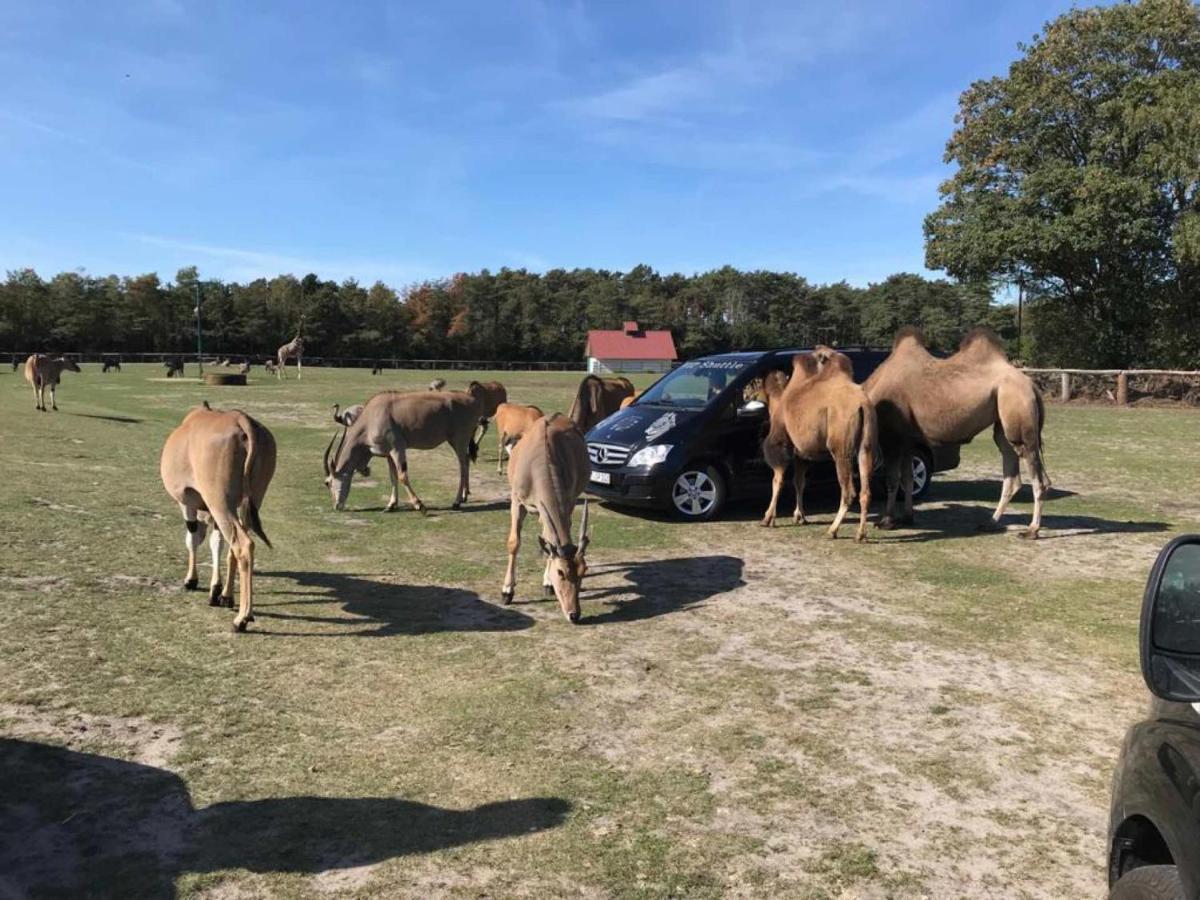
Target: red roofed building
629, 350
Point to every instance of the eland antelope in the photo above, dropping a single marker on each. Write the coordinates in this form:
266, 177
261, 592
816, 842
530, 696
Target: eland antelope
512, 421
548, 471
43, 372
598, 398
219, 463
391, 424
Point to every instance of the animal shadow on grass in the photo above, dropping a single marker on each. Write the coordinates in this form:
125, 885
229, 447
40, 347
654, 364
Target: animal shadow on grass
81, 824
392, 608
124, 420
958, 520
663, 586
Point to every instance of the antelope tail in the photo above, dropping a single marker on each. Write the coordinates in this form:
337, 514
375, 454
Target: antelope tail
249, 515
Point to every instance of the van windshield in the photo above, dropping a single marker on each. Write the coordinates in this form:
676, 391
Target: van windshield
695, 383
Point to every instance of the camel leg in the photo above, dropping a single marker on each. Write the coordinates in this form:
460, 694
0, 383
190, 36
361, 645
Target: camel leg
866, 468
768, 518
214, 582
798, 475
846, 482
906, 481
400, 461
516, 520
891, 463
1041, 487
1012, 473
192, 540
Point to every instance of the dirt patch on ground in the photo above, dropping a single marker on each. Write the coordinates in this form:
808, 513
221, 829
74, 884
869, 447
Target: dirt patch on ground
140, 740
824, 723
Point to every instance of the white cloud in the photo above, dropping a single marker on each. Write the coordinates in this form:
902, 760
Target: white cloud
247, 264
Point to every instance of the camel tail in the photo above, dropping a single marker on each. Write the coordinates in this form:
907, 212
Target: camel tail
473, 449
1043, 475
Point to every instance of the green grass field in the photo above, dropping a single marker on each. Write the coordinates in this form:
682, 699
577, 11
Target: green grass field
743, 711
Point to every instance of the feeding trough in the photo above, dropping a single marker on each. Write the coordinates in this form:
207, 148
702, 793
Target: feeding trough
224, 378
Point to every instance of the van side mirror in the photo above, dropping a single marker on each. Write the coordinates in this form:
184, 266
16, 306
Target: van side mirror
751, 410
1170, 627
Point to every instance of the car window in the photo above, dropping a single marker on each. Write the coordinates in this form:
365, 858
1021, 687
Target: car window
1177, 612
694, 383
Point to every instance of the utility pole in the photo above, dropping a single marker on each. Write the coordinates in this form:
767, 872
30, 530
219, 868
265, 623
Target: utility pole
1020, 314
199, 345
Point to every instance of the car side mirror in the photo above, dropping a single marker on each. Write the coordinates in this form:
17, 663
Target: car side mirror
1170, 627
751, 410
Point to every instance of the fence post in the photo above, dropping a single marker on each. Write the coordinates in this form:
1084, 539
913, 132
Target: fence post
1122, 389
1065, 392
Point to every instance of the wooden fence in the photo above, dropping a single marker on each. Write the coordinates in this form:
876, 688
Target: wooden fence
1120, 377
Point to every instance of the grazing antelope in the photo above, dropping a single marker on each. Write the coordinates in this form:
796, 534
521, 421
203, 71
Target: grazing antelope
43, 372
598, 398
548, 471
244, 368
391, 424
822, 413
219, 463
438, 384
110, 361
271, 367
293, 349
174, 366
512, 421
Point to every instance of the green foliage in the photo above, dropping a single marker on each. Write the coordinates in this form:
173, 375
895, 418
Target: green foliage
510, 314
1078, 177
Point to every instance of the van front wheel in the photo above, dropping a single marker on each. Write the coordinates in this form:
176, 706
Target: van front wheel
698, 493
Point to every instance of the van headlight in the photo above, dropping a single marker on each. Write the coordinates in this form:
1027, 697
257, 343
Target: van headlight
650, 456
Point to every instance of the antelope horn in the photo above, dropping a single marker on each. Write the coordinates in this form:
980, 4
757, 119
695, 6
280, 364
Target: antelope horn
584, 537
325, 461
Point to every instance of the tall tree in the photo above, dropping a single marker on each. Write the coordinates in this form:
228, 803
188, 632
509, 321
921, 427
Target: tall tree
1077, 178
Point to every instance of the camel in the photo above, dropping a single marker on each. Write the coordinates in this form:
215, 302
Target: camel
512, 421
920, 398
821, 413
293, 349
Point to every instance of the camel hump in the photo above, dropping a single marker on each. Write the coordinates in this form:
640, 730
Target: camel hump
982, 336
910, 333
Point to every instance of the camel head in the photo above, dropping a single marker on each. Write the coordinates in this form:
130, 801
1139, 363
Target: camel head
829, 359
805, 367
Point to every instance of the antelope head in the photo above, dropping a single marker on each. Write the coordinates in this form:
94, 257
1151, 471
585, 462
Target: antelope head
568, 565
69, 364
339, 470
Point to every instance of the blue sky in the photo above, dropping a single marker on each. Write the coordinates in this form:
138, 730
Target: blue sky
402, 141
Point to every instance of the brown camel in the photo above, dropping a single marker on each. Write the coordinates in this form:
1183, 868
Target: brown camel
922, 399
821, 413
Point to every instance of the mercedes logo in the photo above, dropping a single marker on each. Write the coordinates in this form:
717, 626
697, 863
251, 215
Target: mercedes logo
601, 454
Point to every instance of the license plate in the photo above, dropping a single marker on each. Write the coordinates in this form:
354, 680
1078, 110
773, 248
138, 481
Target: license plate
602, 477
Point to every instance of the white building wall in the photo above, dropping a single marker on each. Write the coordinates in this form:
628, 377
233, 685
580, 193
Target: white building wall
598, 366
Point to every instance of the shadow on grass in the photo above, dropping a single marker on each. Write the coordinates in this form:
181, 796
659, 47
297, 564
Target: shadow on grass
662, 586
124, 420
392, 608
982, 490
956, 520
79, 824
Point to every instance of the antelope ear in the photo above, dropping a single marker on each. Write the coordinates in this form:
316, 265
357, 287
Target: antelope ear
547, 549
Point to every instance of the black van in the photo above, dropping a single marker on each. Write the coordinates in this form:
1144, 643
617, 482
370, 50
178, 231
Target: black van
693, 441
1154, 822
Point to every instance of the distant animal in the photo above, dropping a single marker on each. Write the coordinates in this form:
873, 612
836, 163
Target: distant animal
44, 372
16, 361
922, 399
391, 424
110, 361
218, 464
628, 401
598, 398
548, 472
822, 414
377, 368
271, 366
438, 384
173, 365
293, 349
244, 368
512, 421
225, 363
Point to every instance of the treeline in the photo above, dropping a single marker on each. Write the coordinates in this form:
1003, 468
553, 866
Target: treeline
505, 315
